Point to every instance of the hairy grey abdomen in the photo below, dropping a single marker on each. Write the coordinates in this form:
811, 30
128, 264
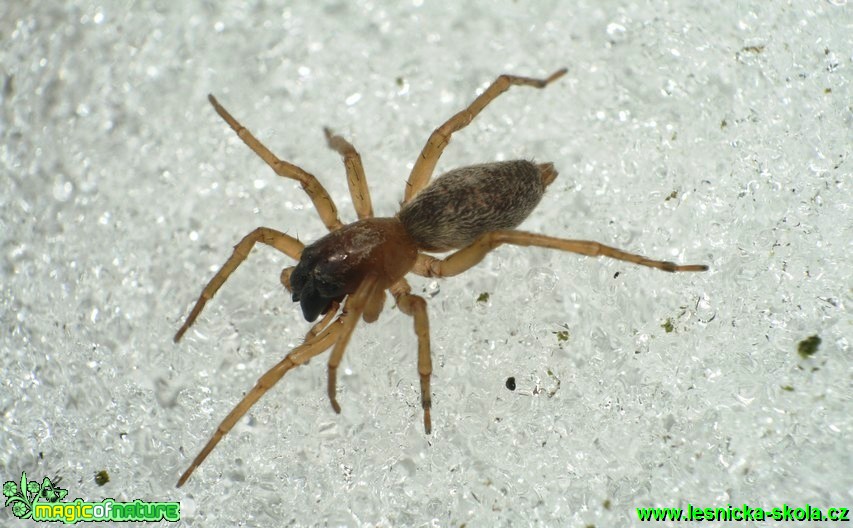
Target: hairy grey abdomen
460, 206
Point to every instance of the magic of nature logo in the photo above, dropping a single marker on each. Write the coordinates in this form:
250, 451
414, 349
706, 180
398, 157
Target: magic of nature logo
44, 502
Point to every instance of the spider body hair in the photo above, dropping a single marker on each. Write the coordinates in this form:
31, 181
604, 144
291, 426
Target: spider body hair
464, 204
453, 211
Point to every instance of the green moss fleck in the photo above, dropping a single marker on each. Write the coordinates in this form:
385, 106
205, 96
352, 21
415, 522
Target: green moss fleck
563, 335
102, 477
808, 346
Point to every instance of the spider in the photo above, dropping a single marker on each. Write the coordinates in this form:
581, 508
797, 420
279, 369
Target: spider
343, 276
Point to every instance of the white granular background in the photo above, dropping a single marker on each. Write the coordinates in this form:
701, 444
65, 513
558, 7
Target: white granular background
698, 132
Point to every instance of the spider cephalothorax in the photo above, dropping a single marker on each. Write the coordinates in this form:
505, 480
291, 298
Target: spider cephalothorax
473, 210
335, 265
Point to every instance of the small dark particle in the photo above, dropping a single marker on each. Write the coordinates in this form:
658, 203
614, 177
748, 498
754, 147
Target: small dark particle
616, 274
788, 388
673, 195
8, 86
827, 90
606, 504
484, 297
748, 50
808, 346
510, 383
102, 477
562, 335
668, 326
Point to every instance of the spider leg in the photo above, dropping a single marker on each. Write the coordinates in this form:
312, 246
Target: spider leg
415, 306
353, 308
356, 179
285, 278
298, 356
280, 241
321, 199
467, 257
424, 166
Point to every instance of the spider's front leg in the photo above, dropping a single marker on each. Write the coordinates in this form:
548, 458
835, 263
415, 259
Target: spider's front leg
318, 194
415, 306
312, 347
265, 235
425, 164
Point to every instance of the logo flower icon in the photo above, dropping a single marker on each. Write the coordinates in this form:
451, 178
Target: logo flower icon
10, 489
22, 498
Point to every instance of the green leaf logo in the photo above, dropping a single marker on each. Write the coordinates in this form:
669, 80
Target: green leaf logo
22, 498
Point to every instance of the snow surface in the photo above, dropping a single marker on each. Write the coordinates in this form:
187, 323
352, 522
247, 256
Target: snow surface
689, 131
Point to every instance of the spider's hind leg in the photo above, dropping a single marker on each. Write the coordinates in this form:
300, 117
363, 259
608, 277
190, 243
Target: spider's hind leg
469, 256
440, 137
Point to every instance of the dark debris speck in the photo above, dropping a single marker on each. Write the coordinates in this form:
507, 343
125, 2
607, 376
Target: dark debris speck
102, 477
808, 346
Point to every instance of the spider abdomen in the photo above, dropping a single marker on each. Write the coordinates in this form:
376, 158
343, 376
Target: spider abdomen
461, 205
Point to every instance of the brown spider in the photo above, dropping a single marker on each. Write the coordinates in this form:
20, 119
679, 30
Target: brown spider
471, 209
